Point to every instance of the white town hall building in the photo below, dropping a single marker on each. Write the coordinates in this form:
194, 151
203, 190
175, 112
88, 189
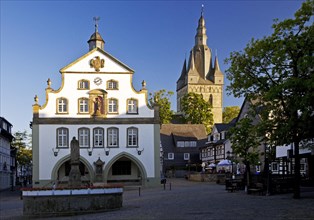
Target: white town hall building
118, 134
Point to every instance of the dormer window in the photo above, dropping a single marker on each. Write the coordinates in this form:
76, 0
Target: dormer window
112, 84
83, 84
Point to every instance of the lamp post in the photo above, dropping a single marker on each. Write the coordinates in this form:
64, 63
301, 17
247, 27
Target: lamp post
266, 169
230, 157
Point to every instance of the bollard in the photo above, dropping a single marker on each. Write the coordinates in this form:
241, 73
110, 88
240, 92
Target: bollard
164, 186
139, 191
170, 186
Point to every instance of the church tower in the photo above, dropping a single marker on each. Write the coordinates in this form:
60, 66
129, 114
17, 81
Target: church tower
200, 76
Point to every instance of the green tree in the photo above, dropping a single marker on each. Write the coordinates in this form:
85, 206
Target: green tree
22, 144
278, 72
161, 98
229, 113
245, 141
197, 111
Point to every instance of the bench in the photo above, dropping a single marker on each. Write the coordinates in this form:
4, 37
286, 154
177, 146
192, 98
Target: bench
256, 188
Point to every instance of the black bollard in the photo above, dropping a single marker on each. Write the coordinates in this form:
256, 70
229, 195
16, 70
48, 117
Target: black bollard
164, 186
139, 191
170, 186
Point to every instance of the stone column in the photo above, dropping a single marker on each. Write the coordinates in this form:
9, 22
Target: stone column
75, 174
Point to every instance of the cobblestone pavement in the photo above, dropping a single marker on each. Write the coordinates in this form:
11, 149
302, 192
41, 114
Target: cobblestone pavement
187, 200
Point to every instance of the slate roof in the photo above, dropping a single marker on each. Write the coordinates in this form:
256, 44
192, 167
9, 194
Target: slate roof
170, 133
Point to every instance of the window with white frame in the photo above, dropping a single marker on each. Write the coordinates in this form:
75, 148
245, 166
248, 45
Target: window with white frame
132, 137
62, 105
112, 106
83, 105
62, 138
112, 84
112, 137
274, 166
83, 134
83, 84
186, 156
170, 156
98, 137
302, 166
132, 106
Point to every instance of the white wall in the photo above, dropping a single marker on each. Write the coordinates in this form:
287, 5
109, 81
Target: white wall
47, 141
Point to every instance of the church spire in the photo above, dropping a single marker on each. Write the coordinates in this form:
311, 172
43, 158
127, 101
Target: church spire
201, 37
191, 63
216, 64
96, 40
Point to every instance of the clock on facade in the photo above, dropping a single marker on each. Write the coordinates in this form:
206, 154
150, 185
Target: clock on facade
97, 81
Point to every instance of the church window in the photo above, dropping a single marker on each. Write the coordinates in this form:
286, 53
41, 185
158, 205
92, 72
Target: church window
83, 134
112, 84
83, 105
132, 106
112, 134
62, 138
132, 137
211, 99
62, 105
83, 84
98, 137
112, 106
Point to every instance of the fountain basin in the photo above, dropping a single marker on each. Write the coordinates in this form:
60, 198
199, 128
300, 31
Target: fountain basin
62, 202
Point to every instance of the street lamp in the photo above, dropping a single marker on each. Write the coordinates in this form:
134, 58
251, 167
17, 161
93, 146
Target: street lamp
230, 157
266, 169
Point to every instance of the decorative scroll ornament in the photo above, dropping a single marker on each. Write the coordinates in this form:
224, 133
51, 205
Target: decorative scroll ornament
97, 63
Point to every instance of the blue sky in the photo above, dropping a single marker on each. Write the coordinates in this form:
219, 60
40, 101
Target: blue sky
38, 38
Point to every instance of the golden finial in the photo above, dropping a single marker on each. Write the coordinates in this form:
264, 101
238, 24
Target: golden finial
143, 84
48, 82
36, 99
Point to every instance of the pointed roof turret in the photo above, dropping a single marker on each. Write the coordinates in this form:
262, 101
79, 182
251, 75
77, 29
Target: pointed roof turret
201, 37
216, 66
181, 80
96, 40
183, 72
191, 63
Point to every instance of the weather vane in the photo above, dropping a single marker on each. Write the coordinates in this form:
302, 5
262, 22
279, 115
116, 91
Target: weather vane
96, 19
202, 10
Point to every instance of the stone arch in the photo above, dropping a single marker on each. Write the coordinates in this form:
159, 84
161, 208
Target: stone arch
54, 173
135, 160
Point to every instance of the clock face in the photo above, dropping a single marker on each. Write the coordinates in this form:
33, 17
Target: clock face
97, 81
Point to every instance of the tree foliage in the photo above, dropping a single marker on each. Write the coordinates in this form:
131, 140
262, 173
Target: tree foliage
277, 71
197, 111
22, 143
229, 113
245, 141
161, 98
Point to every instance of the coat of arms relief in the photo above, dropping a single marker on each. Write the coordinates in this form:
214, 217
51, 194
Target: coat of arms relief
97, 63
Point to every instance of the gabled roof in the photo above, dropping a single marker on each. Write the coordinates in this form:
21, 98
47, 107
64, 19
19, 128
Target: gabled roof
197, 131
171, 133
224, 126
115, 60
